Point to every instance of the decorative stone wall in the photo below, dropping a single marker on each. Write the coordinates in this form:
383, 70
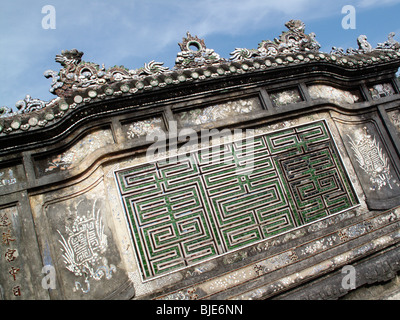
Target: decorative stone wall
259, 176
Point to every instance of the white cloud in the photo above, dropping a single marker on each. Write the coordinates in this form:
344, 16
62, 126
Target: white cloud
375, 3
229, 16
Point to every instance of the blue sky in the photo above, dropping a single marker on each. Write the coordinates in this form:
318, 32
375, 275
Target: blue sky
131, 33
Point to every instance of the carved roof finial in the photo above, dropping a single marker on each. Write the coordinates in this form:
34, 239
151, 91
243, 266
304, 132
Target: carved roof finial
69, 57
297, 26
194, 53
28, 104
363, 44
189, 42
291, 41
390, 43
365, 47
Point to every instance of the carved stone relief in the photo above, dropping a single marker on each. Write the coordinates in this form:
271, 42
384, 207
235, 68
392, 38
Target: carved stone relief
394, 117
331, 93
81, 241
370, 158
282, 98
75, 154
84, 245
381, 90
144, 127
11, 176
222, 111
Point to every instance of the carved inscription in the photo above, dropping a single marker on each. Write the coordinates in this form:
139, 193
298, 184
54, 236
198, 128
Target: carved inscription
10, 262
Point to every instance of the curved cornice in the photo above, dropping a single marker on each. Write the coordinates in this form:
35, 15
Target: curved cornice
82, 84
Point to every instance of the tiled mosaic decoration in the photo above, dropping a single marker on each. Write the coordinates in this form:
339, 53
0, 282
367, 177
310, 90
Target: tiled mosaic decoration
76, 154
334, 94
285, 97
218, 112
381, 90
186, 212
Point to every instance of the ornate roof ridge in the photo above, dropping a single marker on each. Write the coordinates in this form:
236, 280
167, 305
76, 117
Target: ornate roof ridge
79, 82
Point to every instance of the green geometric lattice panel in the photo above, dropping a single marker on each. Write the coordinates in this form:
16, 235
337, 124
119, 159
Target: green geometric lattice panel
224, 198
